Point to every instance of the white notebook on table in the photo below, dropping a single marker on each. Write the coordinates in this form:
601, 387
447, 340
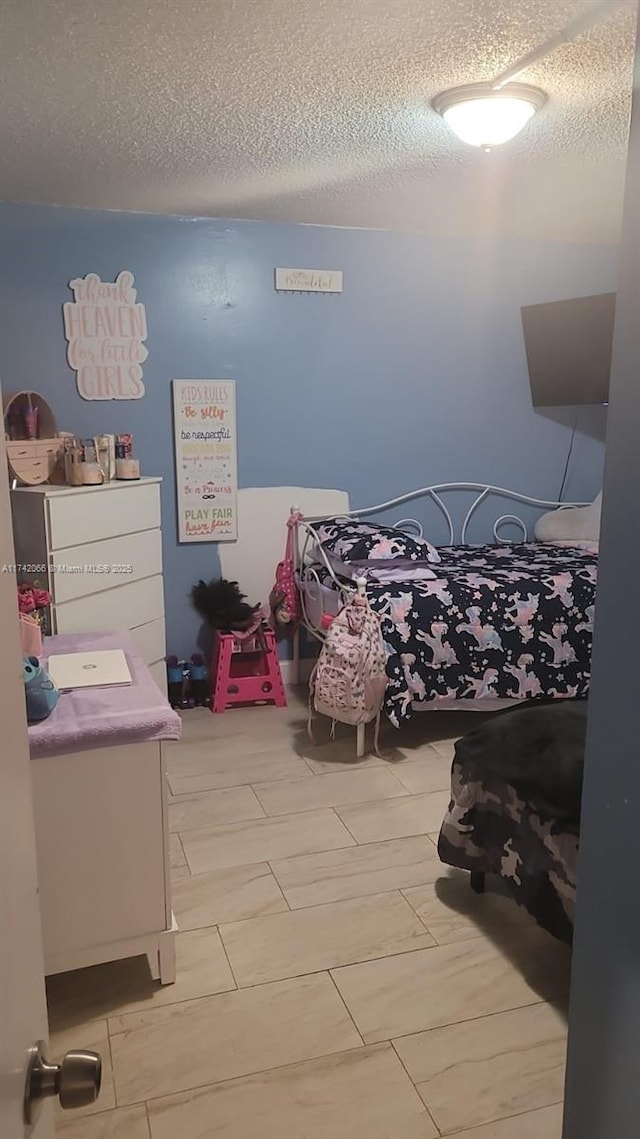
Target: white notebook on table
89, 670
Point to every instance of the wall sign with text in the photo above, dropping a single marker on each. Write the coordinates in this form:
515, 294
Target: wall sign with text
106, 328
204, 420
309, 280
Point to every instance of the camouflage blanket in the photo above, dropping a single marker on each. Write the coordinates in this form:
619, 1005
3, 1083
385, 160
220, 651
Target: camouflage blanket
515, 807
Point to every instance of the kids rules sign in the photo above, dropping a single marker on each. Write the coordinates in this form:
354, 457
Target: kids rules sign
204, 418
106, 328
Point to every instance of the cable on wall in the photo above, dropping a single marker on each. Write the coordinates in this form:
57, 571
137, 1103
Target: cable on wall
569, 454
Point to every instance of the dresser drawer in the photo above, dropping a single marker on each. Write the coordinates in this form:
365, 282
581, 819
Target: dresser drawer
123, 607
31, 471
102, 512
20, 450
149, 640
75, 574
33, 448
34, 460
47, 447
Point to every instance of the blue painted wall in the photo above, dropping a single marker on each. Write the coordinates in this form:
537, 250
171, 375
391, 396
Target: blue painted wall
416, 374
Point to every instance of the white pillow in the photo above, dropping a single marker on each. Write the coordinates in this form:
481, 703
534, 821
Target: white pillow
573, 526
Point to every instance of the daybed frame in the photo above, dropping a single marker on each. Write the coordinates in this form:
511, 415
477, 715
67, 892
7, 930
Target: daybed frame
307, 542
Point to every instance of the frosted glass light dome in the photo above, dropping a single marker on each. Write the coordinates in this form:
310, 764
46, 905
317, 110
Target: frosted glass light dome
482, 116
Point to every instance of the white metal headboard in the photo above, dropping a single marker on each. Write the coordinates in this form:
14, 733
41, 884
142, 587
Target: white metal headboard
307, 538
434, 493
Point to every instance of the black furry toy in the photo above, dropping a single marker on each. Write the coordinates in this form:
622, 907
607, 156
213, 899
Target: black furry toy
223, 606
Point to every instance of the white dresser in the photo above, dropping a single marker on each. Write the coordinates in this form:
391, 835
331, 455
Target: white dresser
101, 819
99, 548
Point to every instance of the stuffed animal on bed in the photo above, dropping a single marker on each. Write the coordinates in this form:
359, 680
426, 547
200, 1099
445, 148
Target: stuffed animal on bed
572, 526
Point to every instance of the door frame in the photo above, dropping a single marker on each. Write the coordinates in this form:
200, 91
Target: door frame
603, 1069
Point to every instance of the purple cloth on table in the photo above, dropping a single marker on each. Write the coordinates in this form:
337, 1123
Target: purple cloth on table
103, 717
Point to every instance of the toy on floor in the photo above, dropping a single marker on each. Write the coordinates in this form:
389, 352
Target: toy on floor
199, 677
178, 683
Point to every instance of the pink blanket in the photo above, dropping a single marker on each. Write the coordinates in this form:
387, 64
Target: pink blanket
103, 717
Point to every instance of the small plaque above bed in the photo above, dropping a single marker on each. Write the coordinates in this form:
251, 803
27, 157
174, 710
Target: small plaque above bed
309, 280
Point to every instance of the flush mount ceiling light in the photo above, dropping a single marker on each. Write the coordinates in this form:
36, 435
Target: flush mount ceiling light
485, 115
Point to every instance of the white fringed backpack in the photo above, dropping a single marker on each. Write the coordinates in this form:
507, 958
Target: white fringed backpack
349, 680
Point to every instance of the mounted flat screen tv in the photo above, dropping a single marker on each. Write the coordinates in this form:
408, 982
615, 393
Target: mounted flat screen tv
568, 346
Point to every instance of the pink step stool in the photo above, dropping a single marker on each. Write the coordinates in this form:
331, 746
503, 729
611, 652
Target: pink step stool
243, 673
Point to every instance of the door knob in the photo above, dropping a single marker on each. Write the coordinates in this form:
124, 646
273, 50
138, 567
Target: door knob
76, 1081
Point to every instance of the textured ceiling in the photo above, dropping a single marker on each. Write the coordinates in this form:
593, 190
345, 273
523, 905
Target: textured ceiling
312, 111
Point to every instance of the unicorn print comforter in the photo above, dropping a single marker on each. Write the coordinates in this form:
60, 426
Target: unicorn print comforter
495, 622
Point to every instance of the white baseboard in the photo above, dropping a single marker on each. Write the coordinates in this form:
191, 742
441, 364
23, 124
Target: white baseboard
288, 670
